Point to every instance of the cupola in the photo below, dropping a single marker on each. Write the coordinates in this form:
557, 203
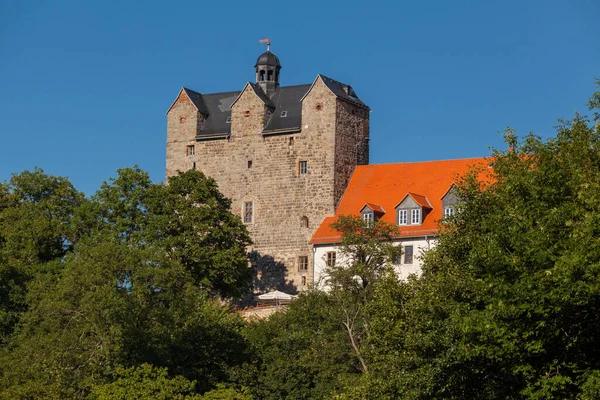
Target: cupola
267, 70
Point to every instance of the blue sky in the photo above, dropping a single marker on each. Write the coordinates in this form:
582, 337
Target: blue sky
84, 85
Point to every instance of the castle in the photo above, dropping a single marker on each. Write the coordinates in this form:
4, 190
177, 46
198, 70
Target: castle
284, 156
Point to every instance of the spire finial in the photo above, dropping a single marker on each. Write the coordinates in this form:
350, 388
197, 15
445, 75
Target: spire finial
268, 42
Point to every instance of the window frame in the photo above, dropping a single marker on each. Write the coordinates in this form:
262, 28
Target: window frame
303, 167
449, 211
190, 150
407, 254
302, 263
402, 221
330, 258
248, 212
369, 217
415, 216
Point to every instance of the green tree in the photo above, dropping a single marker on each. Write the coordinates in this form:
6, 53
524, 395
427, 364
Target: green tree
301, 352
367, 256
509, 302
122, 296
192, 223
36, 211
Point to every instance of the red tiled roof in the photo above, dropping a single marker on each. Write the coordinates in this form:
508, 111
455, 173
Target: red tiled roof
374, 207
386, 185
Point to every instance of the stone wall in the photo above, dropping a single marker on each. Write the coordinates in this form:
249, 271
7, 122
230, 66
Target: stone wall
266, 171
183, 120
351, 143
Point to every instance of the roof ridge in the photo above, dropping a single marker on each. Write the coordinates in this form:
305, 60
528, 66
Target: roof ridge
423, 162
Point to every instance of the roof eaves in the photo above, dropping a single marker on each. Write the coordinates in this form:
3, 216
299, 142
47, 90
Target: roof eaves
281, 131
212, 136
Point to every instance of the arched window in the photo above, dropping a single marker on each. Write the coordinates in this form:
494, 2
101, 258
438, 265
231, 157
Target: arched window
270, 75
262, 74
304, 222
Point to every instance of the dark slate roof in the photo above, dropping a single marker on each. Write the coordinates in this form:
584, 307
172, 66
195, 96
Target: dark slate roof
267, 58
196, 98
287, 98
219, 109
262, 95
342, 91
216, 107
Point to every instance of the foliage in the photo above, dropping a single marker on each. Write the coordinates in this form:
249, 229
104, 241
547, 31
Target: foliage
36, 210
117, 293
299, 353
367, 256
146, 382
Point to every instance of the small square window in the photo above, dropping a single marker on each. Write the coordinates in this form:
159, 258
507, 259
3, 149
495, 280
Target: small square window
402, 217
303, 167
228, 120
303, 263
190, 150
415, 216
304, 222
248, 212
283, 114
408, 254
330, 258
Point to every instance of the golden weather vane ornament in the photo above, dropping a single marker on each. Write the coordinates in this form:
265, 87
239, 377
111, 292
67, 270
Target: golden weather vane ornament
267, 41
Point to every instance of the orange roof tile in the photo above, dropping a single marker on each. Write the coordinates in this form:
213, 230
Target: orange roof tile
374, 207
386, 185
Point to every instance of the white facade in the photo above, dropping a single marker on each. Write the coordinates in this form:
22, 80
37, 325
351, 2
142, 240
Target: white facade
420, 246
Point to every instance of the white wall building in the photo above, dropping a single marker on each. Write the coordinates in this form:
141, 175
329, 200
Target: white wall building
413, 196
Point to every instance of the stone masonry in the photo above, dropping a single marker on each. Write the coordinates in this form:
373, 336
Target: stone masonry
250, 166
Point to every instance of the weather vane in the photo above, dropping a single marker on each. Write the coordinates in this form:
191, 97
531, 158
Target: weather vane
268, 42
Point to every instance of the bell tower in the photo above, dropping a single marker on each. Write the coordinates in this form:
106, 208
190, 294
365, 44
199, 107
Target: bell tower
267, 70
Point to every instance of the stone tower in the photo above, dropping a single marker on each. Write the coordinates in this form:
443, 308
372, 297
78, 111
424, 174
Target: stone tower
282, 154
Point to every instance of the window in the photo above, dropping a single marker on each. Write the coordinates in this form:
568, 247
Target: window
248, 212
402, 217
247, 113
249, 163
228, 120
368, 217
283, 114
303, 263
448, 211
291, 140
303, 167
408, 254
190, 150
194, 165
303, 280
415, 216
330, 258
304, 222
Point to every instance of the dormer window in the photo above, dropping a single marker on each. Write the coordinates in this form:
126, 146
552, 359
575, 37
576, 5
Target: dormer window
415, 216
413, 209
450, 201
371, 213
402, 217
